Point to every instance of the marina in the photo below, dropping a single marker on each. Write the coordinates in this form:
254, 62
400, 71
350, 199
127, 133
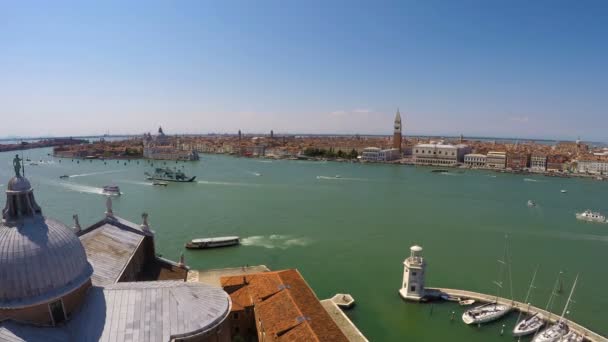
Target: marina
290, 218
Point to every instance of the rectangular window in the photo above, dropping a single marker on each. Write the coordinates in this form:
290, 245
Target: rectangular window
413, 288
57, 312
235, 315
413, 273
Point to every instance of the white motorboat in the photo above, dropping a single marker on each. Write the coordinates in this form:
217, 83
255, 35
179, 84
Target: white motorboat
531, 204
591, 216
213, 242
490, 311
111, 190
572, 337
563, 191
559, 330
530, 324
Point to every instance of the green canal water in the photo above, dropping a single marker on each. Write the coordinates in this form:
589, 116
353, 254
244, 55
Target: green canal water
352, 234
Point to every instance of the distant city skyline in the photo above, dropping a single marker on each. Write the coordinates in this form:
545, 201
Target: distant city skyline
518, 69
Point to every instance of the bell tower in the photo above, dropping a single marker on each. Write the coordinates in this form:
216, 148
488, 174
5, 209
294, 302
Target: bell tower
413, 275
397, 132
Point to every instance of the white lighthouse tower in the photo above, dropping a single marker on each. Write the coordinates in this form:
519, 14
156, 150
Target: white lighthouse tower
414, 269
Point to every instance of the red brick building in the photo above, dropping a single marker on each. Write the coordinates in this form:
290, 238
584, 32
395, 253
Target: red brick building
518, 160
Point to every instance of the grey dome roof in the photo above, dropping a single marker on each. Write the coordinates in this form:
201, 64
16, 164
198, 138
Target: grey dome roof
40, 260
18, 184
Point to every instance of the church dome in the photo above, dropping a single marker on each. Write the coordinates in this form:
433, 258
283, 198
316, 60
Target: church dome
40, 259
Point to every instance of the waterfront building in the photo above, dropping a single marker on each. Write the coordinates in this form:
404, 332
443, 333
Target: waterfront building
439, 154
496, 160
397, 134
593, 166
162, 147
278, 306
556, 162
517, 160
475, 160
414, 269
538, 162
376, 154
101, 283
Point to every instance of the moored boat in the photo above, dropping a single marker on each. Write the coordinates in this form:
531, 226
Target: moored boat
465, 302
532, 323
213, 242
572, 337
559, 330
591, 216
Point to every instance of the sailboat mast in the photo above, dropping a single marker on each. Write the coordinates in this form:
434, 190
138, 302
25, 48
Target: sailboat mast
569, 298
501, 271
529, 291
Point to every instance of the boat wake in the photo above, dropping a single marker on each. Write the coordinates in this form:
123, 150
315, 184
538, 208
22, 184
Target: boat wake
257, 174
95, 173
531, 180
276, 241
226, 183
135, 182
341, 178
82, 188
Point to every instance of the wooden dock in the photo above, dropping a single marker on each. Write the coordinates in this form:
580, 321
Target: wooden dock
523, 307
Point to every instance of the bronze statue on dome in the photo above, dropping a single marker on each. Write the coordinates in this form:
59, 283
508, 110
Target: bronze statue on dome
17, 165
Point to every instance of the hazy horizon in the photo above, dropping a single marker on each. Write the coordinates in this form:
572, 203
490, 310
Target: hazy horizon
518, 69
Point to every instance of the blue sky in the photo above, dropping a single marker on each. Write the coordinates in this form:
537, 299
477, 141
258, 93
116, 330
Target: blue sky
490, 68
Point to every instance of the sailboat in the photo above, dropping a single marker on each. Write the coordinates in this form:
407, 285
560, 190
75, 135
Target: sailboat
490, 311
533, 322
559, 330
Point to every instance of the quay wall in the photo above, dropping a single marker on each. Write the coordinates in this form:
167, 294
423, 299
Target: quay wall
523, 307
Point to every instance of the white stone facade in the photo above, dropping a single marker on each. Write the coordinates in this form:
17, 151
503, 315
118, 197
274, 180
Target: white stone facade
496, 160
538, 163
439, 154
475, 160
375, 154
593, 166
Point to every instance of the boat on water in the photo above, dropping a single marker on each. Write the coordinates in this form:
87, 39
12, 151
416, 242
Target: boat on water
213, 242
160, 183
490, 311
167, 174
64, 176
465, 302
572, 336
531, 204
558, 331
531, 323
591, 216
111, 190
440, 171
563, 191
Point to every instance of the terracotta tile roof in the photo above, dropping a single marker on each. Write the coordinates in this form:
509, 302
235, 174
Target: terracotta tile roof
285, 306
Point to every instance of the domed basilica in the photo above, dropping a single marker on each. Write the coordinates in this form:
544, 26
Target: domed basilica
101, 283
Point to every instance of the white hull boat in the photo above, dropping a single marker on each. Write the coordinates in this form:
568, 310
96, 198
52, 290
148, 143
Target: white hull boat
529, 325
591, 216
552, 334
213, 242
485, 313
572, 337
111, 190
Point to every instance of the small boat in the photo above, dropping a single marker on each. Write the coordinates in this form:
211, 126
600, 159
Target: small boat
572, 337
338, 176
533, 323
559, 330
64, 176
465, 302
563, 191
531, 204
159, 183
440, 171
167, 174
490, 311
111, 190
213, 242
591, 216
